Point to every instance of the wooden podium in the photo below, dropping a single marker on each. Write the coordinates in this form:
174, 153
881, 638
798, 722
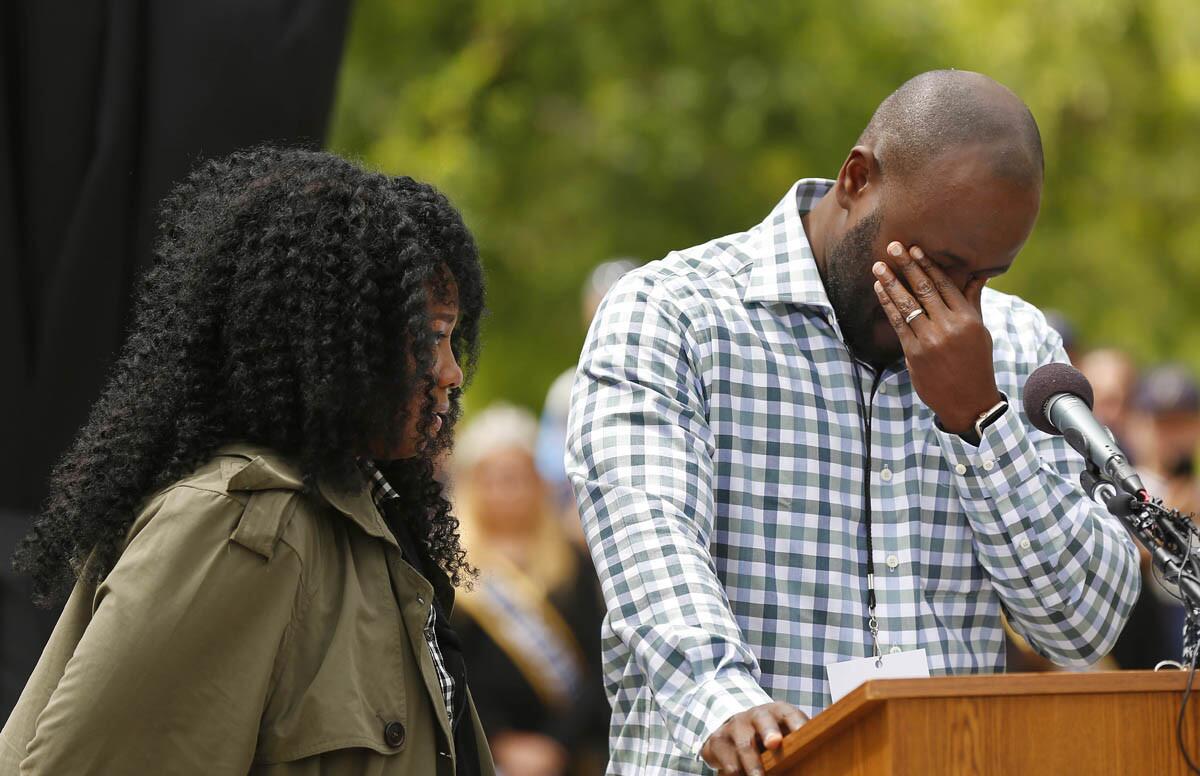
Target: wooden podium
1061, 724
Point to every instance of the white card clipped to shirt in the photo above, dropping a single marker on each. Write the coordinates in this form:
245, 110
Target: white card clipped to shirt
848, 674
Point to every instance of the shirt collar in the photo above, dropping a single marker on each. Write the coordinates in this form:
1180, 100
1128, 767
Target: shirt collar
381, 490
785, 269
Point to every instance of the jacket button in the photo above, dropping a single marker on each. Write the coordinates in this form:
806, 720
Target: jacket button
393, 734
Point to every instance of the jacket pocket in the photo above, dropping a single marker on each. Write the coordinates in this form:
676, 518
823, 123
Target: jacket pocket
337, 713
345, 677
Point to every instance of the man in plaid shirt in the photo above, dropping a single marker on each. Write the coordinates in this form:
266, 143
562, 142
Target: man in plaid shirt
803, 444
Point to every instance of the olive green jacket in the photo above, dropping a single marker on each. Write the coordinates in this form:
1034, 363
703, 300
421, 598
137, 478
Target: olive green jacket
248, 627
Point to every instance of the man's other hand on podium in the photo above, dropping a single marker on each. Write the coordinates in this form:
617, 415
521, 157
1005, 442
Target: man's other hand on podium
736, 747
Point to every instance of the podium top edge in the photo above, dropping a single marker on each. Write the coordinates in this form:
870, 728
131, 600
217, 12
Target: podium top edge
1053, 683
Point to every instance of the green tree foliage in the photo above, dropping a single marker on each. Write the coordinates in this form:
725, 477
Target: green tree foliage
572, 132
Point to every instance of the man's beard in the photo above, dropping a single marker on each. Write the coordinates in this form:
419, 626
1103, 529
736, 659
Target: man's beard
850, 287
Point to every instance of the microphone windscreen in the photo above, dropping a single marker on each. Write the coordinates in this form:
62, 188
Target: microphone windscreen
1045, 382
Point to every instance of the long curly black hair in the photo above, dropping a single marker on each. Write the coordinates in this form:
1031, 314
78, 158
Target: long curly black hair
288, 307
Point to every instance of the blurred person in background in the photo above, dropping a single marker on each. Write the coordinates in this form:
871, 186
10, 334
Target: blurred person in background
259, 562
1160, 416
552, 432
1166, 432
530, 627
1114, 376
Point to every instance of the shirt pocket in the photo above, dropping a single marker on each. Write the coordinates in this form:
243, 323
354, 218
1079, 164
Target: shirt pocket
948, 564
949, 568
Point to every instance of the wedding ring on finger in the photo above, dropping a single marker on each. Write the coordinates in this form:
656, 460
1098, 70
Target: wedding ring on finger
913, 315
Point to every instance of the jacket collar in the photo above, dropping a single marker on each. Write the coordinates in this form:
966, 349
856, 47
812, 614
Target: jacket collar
265, 469
355, 502
784, 269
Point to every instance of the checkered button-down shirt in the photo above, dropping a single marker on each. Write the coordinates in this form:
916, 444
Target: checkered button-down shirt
717, 446
381, 492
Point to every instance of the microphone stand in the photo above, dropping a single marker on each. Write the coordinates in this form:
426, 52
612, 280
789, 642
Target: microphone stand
1168, 536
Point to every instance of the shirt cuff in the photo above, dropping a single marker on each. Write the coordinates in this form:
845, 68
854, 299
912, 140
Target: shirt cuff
1004, 459
730, 692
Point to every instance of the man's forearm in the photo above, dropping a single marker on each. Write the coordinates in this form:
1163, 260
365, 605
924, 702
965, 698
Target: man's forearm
1067, 574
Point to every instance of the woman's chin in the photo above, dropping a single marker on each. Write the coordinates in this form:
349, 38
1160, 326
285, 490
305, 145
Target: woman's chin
412, 447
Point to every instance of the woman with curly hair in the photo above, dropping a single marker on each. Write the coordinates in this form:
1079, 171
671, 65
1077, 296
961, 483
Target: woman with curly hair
258, 563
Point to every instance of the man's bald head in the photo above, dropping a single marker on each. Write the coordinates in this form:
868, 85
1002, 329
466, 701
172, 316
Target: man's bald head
950, 162
945, 111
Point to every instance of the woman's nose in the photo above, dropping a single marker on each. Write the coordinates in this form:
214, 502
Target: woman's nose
451, 375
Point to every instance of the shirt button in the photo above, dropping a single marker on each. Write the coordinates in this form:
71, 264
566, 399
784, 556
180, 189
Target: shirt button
886, 474
892, 561
1025, 544
883, 388
960, 469
420, 600
989, 464
895, 650
393, 734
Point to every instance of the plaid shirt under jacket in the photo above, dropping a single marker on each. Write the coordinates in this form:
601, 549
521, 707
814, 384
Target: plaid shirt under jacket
716, 447
382, 492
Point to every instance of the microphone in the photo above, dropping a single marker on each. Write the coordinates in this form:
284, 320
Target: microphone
1058, 400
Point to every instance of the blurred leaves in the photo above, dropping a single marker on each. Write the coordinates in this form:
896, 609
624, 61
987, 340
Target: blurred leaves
572, 132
